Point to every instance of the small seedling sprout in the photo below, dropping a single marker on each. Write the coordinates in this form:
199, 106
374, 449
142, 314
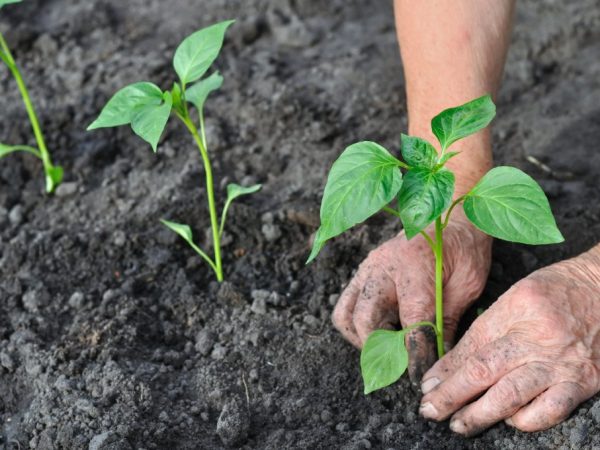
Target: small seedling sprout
506, 203
54, 174
147, 109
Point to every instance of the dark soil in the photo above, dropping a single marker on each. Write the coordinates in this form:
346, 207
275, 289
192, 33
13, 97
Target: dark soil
113, 334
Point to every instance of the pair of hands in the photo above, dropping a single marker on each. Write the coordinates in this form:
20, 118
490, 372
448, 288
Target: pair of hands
534, 355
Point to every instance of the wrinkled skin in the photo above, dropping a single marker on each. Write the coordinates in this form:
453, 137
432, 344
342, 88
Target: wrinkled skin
396, 283
534, 355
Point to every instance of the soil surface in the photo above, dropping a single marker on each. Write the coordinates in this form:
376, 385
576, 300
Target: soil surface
113, 333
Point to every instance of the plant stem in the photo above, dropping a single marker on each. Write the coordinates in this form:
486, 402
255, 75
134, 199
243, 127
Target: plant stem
21, 148
391, 211
214, 224
439, 287
35, 125
452, 206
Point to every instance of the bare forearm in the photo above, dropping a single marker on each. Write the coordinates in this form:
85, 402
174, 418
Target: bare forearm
453, 52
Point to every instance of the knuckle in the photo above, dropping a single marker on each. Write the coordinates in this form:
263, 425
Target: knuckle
588, 373
506, 397
477, 370
530, 290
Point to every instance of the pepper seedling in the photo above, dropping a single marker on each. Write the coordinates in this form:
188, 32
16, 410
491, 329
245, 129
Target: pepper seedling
147, 109
506, 203
54, 174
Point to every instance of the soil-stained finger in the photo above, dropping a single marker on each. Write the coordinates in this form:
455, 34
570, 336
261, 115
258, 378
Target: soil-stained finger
481, 370
503, 399
550, 408
344, 311
376, 306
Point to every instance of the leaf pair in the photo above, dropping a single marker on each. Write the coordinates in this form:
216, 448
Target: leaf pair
233, 191
147, 108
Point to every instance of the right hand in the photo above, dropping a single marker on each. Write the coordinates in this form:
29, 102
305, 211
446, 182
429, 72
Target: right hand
396, 284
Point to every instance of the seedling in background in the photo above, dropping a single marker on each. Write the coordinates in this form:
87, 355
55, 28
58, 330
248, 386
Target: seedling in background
506, 203
147, 109
54, 174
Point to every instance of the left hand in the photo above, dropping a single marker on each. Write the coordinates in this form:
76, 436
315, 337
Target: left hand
534, 355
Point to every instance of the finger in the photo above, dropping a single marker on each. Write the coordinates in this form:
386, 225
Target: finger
376, 306
344, 310
479, 371
549, 408
503, 399
417, 304
422, 349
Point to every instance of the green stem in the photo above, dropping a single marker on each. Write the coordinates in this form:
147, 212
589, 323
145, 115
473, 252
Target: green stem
224, 217
452, 206
205, 256
21, 148
392, 211
439, 287
428, 239
35, 125
202, 132
218, 266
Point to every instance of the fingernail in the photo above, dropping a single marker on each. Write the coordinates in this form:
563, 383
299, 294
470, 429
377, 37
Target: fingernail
428, 411
429, 384
509, 422
458, 426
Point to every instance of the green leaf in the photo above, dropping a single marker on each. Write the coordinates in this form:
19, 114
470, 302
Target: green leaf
198, 93
198, 51
318, 244
383, 359
181, 229
125, 104
456, 123
186, 233
150, 121
424, 196
362, 181
418, 152
54, 176
508, 204
444, 159
8, 2
234, 191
